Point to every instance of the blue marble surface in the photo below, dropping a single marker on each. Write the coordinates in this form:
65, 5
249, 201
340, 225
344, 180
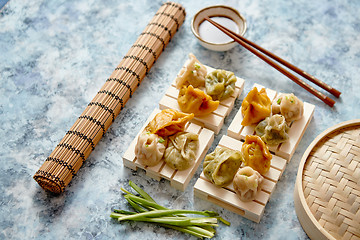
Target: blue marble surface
2, 3
55, 56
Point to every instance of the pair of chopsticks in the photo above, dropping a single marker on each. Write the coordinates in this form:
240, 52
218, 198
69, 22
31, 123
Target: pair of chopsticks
252, 47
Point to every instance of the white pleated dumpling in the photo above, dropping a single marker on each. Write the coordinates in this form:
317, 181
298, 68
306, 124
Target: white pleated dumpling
192, 73
289, 106
247, 183
150, 148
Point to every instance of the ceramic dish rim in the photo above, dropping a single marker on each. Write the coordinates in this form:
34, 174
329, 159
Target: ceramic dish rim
197, 35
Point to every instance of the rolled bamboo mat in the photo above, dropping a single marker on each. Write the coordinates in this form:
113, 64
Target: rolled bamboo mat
68, 156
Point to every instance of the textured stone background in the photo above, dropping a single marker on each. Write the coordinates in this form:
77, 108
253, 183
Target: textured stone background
55, 56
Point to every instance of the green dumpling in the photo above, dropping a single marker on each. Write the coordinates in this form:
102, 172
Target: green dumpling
181, 151
273, 130
220, 84
221, 165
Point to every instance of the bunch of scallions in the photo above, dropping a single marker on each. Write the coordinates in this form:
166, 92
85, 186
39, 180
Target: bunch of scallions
147, 210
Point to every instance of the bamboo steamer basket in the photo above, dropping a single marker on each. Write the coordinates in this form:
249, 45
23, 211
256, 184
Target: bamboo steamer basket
327, 188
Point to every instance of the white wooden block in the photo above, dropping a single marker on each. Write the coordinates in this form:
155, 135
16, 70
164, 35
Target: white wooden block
268, 186
172, 91
154, 169
228, 142
226, 196
214, 120
194, 128
262, 197
178, 179
273, 174
129, 164
296, 132
229, 102
222, 111
297, 129
235, 126
278, 163
228, 199
166, 172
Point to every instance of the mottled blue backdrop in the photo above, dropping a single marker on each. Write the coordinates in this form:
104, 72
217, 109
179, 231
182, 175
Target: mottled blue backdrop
55, 56
2, 3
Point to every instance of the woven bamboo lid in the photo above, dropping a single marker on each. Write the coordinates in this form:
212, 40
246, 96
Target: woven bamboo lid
327, 189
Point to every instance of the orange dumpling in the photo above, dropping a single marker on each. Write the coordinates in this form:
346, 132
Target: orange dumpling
255, 107
168, 122
193, 100
256, 154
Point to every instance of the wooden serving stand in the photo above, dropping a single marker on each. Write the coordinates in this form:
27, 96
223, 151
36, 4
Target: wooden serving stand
297, 128
226, 196
213, 121
178, 179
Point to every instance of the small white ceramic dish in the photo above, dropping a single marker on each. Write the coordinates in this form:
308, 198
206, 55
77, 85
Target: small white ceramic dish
218, 11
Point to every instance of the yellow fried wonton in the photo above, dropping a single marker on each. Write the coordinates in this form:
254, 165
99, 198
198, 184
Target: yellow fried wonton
193, 100
255, 107
168, 122
256, 154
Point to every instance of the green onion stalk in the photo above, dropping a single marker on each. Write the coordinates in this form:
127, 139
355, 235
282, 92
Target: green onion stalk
147, 210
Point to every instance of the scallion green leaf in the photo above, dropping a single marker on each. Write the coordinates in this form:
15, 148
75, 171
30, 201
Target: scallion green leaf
147, 210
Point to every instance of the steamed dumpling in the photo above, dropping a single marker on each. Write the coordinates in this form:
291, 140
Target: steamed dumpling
220, 84
192, 73
273, 130
149, 148
193, 100
221, 165
168, 122
181, 151
256, 154
247, 183
289, 106
255, 107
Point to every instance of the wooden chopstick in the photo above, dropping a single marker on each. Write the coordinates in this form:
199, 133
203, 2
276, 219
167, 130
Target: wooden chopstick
246, 44
306, 75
